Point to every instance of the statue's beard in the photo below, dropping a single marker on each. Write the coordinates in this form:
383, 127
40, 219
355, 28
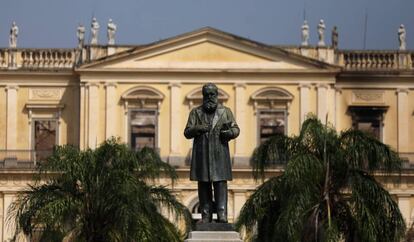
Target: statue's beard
209, 106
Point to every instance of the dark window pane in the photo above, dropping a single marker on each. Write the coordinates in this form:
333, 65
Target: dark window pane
142, 128
368, 120
372, 128
44, 137
271, 123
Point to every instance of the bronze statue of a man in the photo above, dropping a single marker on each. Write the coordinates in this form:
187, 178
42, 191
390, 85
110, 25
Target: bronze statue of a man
212, 126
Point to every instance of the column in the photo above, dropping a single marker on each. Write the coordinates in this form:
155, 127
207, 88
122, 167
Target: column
304, 101
338, 109
404, 203
11, 119
241, 159
322, 101
176, 129
82, 117
93, 115
403, 119
8, 229
239, 201
2, 217
110, 110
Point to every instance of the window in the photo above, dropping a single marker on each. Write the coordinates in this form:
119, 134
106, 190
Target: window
271, 105
143, 128
45, 137
44, 121
142, 105
368, 119
271, 122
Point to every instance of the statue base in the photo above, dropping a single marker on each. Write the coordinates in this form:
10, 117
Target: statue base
214, 232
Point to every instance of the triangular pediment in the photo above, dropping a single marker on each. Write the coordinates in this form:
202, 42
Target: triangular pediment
206, 49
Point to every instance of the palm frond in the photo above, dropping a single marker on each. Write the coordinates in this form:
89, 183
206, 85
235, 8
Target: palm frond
165, 199
99, 195
276, 150
310, 200
365, 152
256, 207
377, 214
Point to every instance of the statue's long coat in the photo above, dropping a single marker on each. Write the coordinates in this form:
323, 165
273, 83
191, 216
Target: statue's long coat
210, 159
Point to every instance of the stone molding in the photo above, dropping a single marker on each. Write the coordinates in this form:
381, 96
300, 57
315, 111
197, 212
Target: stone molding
403, 90
12, 87
110, 84
174, 84
45, 93
368, 97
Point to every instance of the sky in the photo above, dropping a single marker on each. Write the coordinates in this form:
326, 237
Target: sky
53, 23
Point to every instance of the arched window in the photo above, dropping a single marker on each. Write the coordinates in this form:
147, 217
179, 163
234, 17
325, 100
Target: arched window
142, 105
195, 97
271, 105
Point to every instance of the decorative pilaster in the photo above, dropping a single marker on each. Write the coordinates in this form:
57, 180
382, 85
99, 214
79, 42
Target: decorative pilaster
2, 216
8, 229
93, 115
176, 128
82, 117
241, 159
239, 201
110, 110
322, 101
338, 109
11, 117
304, 101
404, 203
403, 119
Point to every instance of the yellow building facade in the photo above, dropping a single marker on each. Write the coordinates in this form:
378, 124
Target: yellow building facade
143, 95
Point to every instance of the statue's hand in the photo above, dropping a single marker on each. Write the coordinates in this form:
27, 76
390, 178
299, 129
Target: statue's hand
226, 135
202, 128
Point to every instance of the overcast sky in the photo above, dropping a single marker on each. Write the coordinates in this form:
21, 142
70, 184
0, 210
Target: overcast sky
53, 23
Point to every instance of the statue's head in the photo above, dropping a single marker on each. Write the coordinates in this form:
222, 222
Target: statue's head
210, 97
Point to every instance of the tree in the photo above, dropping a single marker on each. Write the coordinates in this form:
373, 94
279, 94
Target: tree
327, 191
99, 195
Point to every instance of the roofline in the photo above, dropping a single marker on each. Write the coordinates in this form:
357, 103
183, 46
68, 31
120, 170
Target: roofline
213, 31
207, 70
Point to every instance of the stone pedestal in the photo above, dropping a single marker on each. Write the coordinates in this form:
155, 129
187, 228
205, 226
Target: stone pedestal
214, 232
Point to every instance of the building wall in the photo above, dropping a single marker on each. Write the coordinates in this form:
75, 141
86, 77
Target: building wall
93, 103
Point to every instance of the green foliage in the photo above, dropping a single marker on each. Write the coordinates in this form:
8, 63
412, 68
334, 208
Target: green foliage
100, 195
327, 191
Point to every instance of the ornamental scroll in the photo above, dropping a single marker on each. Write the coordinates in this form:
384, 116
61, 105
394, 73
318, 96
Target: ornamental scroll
45, 94
368, 97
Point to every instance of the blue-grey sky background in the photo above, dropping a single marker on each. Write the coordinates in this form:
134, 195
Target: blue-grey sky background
53, 23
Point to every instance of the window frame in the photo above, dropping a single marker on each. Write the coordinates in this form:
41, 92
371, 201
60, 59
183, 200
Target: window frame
259, 113
33, 135
377, 114
129, 129
33, 129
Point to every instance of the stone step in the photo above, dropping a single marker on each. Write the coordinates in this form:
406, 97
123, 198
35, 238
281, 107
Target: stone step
213, 236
